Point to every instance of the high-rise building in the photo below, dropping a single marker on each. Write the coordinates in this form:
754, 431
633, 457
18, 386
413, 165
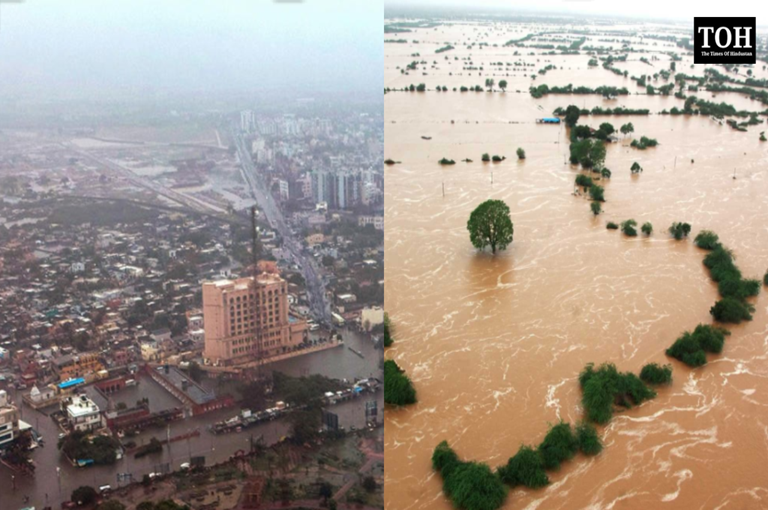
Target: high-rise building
248, 317
247, 121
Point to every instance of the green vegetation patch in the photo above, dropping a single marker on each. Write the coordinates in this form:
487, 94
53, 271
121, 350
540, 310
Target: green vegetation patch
560, 444
398, 389
589, 441
469, 485
525, 468
691, 347
605, 387
653, 373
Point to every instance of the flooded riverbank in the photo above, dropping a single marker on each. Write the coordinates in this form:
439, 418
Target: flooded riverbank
494, 345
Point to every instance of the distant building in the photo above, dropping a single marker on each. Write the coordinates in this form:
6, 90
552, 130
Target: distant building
82, 413
376, 221
244, 314
73, 366
9, 420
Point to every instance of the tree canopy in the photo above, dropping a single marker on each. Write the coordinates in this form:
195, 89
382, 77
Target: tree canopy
490, 225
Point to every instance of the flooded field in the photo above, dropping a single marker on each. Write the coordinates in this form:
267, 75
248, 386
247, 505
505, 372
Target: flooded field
494, 345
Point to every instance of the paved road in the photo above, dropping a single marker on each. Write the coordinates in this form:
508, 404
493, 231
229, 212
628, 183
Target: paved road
137, 180
315, 285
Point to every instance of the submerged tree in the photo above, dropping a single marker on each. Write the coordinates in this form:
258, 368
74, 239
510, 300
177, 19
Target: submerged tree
627, 129
679, 230
647, 228
628, 228
490, 225
596, 208
398, 389
526, 468
572, 114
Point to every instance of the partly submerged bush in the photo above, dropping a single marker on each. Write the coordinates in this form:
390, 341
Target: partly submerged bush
469, 485
628, 228
679, 230
446, 161
647, 228
444, 459
739, 289
526, 468
597, 193
690, 347
611, 226
559, 445
653, 373
589, 441
707, 240
398, 389
733, 310
605, 387
584, 181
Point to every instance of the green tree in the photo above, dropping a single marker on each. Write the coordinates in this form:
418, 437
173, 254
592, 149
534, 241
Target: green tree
679, 230
503, 85
490, 225
369, 484
636, 168
398, 389
597, 193
589, 441
525, 468
647, 228
628, 228
627, 129
707, 240
388, 338
558, 446
653, 373
84, 495
572, 114
520, 153
596, 208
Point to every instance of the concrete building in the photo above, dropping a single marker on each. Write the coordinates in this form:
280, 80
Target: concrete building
376, 221
72, 366
244, 314
82, 413
9, 420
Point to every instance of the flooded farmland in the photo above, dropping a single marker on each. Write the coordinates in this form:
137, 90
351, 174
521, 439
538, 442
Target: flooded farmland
494, 344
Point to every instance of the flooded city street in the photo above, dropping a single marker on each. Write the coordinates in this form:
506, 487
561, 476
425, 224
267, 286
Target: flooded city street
494, 344
51, 486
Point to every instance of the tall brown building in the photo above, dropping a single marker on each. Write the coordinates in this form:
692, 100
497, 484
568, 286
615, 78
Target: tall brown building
241, 315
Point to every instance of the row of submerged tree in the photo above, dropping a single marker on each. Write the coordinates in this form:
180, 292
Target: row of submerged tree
485, 158
475, 486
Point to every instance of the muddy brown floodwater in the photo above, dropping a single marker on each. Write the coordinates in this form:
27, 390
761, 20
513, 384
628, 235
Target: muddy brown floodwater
494, 345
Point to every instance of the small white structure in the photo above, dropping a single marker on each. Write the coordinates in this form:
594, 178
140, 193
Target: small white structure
83, 414
371, 317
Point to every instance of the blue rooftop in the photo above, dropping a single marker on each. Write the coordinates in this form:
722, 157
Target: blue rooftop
71, 382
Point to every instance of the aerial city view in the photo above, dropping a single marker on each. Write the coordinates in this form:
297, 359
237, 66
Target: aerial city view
576, 263
191, 257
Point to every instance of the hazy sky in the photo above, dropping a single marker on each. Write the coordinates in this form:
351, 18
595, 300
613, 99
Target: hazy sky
682, 11
60, 48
